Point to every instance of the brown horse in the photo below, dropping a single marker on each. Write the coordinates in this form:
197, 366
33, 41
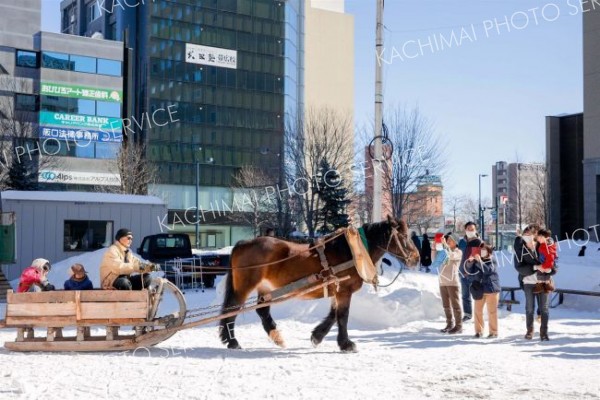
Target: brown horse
297, 262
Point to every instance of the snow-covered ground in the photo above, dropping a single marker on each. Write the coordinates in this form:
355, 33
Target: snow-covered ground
401, 352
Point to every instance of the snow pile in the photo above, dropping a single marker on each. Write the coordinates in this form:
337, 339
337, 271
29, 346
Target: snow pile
413, 296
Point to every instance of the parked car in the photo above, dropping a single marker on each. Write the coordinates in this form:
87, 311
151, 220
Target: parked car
182, 265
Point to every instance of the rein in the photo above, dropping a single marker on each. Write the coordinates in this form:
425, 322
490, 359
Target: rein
319, 244
404, 257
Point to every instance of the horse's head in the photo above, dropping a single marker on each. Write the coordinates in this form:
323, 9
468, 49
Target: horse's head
392, 236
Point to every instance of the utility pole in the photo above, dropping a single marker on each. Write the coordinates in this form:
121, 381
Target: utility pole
377, 178
497, 217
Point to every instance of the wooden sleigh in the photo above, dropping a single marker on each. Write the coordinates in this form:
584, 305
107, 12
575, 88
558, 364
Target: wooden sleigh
111, 309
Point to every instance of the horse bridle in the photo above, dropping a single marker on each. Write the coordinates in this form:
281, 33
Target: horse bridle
394, 235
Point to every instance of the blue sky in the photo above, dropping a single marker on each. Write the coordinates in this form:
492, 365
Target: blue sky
488, 94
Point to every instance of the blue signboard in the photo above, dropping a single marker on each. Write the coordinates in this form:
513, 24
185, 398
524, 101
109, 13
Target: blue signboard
82, 135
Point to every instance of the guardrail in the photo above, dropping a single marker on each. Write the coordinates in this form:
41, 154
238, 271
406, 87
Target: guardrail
558, 296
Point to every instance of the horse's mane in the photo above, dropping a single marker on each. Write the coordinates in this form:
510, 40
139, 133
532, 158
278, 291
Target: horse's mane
378, 233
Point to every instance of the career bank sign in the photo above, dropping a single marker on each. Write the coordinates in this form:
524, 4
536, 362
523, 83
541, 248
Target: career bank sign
213, 56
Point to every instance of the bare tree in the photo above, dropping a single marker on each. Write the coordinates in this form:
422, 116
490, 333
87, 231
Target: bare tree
19, 145
135, 171
470, 208
323, 134
455, 206
417, 152
537, 210
254, 203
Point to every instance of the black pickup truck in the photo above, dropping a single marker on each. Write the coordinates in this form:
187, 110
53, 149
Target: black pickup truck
173, 251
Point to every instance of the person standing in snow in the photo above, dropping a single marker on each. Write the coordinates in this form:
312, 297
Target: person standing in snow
450, 285
482, 271
466, 245
525, 262
425, 253
545, 286
35, 277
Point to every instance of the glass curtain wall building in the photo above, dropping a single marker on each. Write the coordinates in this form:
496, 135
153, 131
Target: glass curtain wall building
231, 71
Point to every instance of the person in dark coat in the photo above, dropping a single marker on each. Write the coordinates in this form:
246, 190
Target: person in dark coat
425, 253
526, 262
469, 242
79, 279
417, 243
482, 271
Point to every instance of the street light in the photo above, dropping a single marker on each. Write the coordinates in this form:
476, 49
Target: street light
209, 161
481, 222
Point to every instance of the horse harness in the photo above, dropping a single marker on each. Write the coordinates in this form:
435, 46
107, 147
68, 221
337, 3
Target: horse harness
327, 270
394, 235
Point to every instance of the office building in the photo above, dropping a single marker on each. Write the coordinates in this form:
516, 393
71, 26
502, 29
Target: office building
564, 158
591, 120
61, 98
233, 71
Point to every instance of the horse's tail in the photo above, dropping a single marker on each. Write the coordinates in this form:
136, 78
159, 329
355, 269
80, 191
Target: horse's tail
229, 298
226, 325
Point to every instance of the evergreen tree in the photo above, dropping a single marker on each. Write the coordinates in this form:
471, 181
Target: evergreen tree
334, 197
22, 173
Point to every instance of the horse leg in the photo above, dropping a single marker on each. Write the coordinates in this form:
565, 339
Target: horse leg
343, 310
323, 328
227, 325
269, 325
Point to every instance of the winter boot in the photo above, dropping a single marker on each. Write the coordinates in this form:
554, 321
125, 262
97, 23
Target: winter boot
529, 334
544, 335
448, 327
455, 330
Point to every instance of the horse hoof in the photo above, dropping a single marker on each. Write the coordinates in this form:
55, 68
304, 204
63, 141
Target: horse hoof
348, 347
315, 341
276, 337
233, 344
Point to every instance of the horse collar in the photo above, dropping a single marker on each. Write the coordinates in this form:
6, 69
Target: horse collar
363, 237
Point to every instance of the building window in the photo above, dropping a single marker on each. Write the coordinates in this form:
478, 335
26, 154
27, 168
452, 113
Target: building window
109, 67
55, 60
93, 11
26, 102
108, 109
112, 28
87, 235
83, 64
107, 150
27, 59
